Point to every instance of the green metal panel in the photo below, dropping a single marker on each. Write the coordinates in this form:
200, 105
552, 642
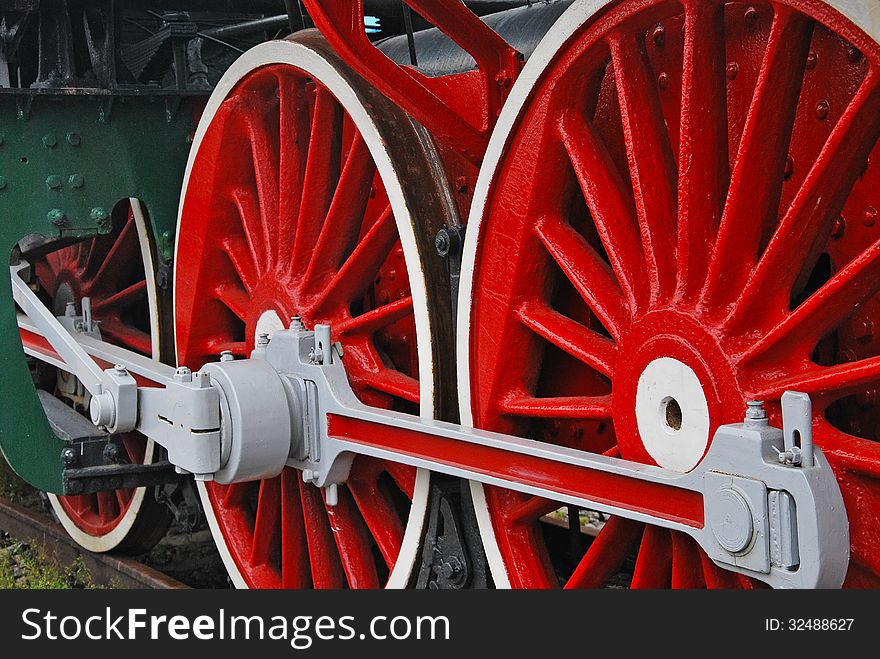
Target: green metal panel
66, 159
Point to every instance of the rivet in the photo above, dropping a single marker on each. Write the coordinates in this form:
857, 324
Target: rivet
100, 215
50, 141
864, 329
461, 184
870, 216
789, 168
3, 183
732, 70
812, 59
751, 16
659, 36
822, 110
76, 181
663, 80
838, 227
74, 139
53, 182
56, 216
854, 55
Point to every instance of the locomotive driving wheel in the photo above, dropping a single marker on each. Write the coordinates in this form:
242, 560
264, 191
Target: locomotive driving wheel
295, 204
677, 214
116, 271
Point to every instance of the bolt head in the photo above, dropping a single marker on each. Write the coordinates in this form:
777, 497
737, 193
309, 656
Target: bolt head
442, 242
76, 181
100, 215
74, 139
68, 456
659, 36
50, 141
57, 217
227, 356
53, 182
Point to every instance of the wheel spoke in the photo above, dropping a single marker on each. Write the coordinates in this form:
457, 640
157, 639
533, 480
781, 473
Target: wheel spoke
381, 517
352, 540
294, 143
128, 296
610, 204
322, 174
376, 375
265, 157
654, 563
295, 570
242, 259
403, 476
837, 299
235, 493
828, 382
687, 568
362, 265
376, 319
819, 201
580, 342
854, 454
651, 160
326, 568
108, 507
117, 256
717, 577
606, 553
702, 160
267, 526
588, 273
756, 181
345, 216
234, 298
560, 407
249, 216
530, 510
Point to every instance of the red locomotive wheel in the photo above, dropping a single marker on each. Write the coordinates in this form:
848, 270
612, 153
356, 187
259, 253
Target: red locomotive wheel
292, 206
116, 272
677, 214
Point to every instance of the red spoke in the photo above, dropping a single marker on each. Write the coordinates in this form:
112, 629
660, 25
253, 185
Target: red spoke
372, 321
249, 216
265, 156
267, 525
839, 298
323, 557
717, 577
118, 254
687, 567
219, 345
375, 374
531, 509
855, 454
817, 203
588, 273
561, 407
137, 292
295, 569
830, 382
654, 563
861, 496
353, 542
345, 215
757, 177
108, 507
651, 160
610, 204
383, 521
235, 493
242, 259
294, 141
322, 173
115, 331
403, 476
606, 553
702, 158
580, 342
233, 298
359, 270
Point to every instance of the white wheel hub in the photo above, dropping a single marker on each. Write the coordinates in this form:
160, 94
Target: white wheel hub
672, 414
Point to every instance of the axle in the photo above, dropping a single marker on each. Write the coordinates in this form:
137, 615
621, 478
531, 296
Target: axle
763, 501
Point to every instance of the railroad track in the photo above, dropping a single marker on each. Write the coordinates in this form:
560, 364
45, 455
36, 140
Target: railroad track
106, 569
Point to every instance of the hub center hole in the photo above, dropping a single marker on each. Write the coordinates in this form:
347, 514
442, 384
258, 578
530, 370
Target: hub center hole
672, 412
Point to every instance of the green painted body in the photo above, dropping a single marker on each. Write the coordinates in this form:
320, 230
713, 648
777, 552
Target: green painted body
65, 161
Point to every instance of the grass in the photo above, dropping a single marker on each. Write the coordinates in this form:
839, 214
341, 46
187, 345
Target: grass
26, 566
